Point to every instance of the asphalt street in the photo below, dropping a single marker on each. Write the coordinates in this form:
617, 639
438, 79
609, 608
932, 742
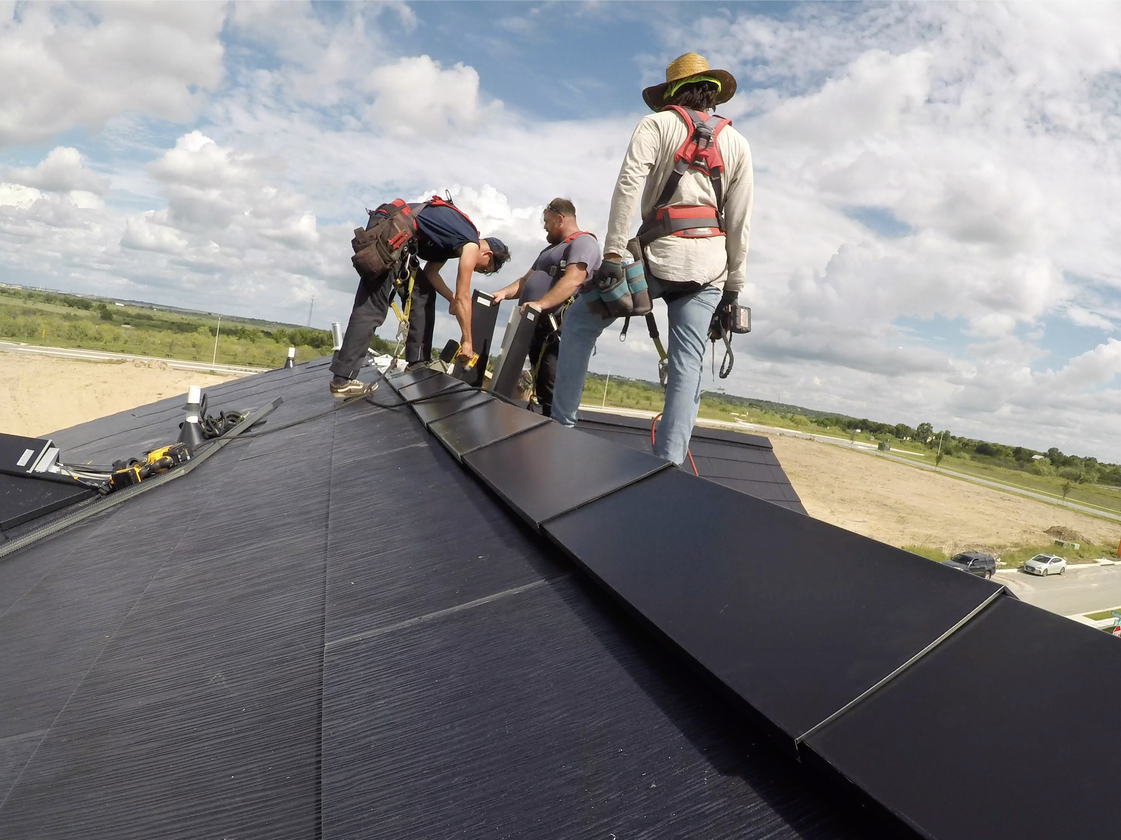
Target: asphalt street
1083, 589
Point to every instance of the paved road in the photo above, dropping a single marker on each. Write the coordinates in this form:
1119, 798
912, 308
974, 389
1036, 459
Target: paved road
101, 356
1082, 589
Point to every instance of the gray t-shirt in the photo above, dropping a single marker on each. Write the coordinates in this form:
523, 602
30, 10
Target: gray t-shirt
550, 264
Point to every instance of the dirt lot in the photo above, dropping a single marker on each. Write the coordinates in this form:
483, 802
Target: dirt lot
900, 505
39, 395
881, 499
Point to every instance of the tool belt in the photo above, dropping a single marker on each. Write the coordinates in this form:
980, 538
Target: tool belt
697, 221
620, 297
380, 246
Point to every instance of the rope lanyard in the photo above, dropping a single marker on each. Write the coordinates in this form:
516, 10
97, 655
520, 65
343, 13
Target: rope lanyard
411, 265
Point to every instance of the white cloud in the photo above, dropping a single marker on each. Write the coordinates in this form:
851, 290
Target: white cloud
151, 232
1091, 369
17, 195
79, 65
874, 96
984, 140
418, 96
60, 171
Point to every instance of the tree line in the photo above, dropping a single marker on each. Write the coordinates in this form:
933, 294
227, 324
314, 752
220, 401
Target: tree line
1053, 462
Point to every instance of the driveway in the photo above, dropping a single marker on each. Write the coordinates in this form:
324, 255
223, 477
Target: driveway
1084, 588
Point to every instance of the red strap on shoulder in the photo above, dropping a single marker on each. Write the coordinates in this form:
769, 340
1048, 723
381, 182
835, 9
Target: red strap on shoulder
709, 159
578, 233
436, 201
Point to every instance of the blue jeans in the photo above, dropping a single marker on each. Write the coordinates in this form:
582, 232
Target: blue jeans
689, 317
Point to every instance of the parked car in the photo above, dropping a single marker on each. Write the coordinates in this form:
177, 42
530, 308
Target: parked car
974, 562
1046, 564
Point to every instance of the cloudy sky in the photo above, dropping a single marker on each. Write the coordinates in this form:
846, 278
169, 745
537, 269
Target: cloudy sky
936, 232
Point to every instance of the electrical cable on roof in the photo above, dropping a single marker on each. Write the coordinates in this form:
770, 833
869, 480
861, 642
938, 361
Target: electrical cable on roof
688, 454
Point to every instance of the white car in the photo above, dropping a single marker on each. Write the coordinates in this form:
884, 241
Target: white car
1046, 564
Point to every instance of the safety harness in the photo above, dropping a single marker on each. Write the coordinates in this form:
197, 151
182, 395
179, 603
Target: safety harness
701, 153
436, 201
558, 269
404, 276
555, 271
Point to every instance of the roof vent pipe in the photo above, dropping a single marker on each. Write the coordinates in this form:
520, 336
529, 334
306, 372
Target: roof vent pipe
336, 335
290, 362
189, 431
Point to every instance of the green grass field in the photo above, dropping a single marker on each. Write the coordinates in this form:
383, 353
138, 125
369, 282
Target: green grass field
57, 320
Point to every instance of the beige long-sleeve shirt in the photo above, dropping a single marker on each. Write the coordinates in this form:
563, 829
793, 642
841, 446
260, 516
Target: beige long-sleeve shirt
720, 260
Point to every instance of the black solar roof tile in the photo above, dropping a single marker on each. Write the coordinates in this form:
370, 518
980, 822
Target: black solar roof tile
1007, 729
466, 431
795, 616
330, 629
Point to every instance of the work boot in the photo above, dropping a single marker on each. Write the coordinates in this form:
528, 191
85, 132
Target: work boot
343, 387
417, 365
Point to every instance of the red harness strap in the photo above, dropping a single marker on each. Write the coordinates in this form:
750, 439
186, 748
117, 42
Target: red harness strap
436, 201
557, 269
699, 152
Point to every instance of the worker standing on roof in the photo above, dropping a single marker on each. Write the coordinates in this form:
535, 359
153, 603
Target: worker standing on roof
696, 218
570, 259
443, 232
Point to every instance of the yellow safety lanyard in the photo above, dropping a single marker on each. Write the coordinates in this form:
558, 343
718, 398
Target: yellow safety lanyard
403, 314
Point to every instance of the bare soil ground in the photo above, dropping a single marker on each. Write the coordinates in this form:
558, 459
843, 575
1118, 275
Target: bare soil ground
900, 505
872, 496
39, 395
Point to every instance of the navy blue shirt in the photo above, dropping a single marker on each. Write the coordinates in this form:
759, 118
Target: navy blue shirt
441, 232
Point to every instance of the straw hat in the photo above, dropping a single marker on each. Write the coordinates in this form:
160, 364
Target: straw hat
684, 67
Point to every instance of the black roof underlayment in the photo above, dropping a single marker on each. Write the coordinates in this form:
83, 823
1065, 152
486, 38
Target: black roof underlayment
431, 614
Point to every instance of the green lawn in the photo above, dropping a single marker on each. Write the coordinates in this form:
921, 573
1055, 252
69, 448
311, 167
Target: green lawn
1104, 498
58, 320
1104, 614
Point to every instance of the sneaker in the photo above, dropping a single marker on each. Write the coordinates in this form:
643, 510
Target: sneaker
411, 366
350, 388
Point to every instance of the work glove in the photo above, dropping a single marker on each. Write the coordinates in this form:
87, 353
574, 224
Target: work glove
609, 273
611, 283
715, 326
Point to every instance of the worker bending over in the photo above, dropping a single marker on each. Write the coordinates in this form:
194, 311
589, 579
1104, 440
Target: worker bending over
443, 232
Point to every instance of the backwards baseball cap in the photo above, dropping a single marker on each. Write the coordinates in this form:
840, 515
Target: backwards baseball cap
500, 253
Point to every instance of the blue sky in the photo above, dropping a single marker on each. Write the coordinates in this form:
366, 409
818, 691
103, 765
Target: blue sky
934, 237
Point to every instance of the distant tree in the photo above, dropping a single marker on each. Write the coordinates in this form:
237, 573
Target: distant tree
923, 432
938, 458
106, 315
1066, 489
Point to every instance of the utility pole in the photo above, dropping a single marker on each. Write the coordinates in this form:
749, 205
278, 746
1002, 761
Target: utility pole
216, 332
604, 403
309, 309
939, 446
